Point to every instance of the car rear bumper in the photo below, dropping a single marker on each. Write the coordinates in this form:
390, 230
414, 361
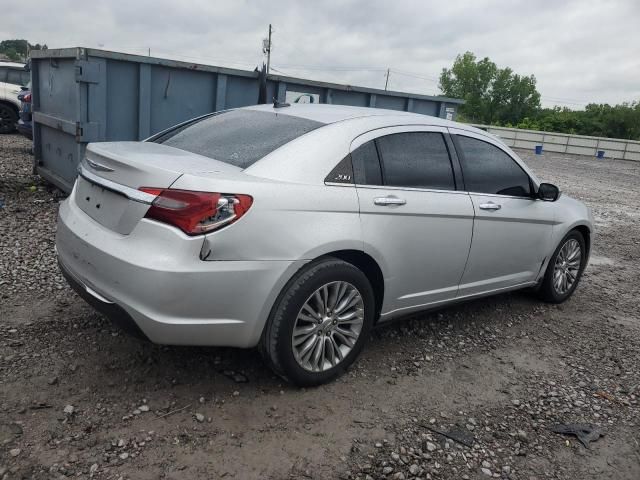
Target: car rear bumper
113, 312
153, 280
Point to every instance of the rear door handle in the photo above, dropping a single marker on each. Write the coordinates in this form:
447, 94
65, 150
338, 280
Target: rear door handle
490, 206
390, 200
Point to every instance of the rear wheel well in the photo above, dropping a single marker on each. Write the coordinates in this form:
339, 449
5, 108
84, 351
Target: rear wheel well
369, 267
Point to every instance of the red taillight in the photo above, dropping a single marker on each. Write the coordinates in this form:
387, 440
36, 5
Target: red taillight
196, 212
27, 98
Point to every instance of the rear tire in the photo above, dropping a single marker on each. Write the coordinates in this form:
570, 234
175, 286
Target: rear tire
320, 323
8, 118
564, 269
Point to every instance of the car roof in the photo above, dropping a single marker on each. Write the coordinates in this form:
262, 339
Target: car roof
341, 125
11, 64
328, 114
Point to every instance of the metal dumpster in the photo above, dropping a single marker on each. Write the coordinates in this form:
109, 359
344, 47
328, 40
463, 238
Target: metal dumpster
83, 95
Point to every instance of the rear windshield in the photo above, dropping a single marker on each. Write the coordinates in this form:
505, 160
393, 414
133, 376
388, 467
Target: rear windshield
238, 137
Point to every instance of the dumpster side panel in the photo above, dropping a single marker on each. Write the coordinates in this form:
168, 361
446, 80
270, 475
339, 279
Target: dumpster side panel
56, 86
179, 94
426, 107
58, 163
392, 103
241, 91
346, 97
122, 100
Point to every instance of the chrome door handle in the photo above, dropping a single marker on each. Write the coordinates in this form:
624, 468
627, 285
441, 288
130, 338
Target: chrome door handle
391, 200
490, 206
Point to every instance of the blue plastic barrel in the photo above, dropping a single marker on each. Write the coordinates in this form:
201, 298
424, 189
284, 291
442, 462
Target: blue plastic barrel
538, 149
600, 153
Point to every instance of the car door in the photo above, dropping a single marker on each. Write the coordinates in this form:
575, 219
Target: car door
512, 230
414, 221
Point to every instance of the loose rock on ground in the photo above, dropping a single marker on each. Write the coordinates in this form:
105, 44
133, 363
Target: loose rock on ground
497, 373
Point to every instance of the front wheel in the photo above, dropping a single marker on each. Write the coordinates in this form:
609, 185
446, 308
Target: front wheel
565, 269
319, 323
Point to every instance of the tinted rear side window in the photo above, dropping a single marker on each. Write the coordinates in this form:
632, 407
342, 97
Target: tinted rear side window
416, 159
488, 169
366, 166
238, 137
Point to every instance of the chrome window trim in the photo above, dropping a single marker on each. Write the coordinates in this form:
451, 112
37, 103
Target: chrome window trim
130, 193
390, 130
338, 184
517, 197
409, 189
380, 132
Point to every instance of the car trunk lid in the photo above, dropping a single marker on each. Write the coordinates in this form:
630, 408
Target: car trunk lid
112, 173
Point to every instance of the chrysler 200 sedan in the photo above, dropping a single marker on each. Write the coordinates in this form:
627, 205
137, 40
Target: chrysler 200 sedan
298, 228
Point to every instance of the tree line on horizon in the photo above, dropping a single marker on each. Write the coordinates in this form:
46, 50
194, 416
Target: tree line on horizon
501, 97
17, 50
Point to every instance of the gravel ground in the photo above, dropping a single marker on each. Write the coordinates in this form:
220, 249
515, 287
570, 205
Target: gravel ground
467, 392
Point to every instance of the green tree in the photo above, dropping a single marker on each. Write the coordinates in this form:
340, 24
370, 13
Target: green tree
12, 55
599, 120
491, 94
18, 49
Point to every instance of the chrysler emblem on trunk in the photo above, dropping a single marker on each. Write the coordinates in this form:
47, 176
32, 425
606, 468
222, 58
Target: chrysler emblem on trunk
99, 166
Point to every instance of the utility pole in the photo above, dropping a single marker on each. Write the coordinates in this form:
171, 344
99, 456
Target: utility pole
149, 51
268, 49
386, 82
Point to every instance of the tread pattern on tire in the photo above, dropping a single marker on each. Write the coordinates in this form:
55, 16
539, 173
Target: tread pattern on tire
276, 319
546, 289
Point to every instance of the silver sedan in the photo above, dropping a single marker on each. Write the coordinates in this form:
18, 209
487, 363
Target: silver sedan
298, 228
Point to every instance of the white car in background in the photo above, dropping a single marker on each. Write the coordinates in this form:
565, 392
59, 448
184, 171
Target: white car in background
12, 77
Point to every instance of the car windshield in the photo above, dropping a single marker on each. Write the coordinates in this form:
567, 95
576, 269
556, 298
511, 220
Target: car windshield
238, 137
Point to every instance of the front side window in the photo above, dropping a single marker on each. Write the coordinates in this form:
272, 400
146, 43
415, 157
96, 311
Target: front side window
488, 169
416, 160
238, 137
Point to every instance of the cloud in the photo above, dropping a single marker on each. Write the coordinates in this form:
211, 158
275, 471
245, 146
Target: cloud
580, 51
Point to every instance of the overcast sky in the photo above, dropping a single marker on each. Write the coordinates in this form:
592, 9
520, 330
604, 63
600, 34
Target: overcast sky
580, 51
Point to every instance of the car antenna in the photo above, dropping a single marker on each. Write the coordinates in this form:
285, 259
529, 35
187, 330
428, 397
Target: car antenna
277, 104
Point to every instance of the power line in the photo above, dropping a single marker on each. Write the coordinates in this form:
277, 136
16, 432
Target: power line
564, 101
279, 71
408, 74
332, 68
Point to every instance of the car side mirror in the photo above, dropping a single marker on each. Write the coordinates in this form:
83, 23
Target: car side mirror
548, 192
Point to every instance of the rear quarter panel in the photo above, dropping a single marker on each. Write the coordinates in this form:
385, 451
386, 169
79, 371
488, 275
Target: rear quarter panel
287, 221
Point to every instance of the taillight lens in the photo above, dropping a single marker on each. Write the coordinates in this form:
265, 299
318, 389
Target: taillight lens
196, 213
27, 98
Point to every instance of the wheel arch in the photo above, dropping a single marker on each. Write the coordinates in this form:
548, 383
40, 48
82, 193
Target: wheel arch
586, 235
361, 260
11, 105
367, 265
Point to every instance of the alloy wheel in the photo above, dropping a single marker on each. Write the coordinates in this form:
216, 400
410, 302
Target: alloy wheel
567, 266
328, 326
